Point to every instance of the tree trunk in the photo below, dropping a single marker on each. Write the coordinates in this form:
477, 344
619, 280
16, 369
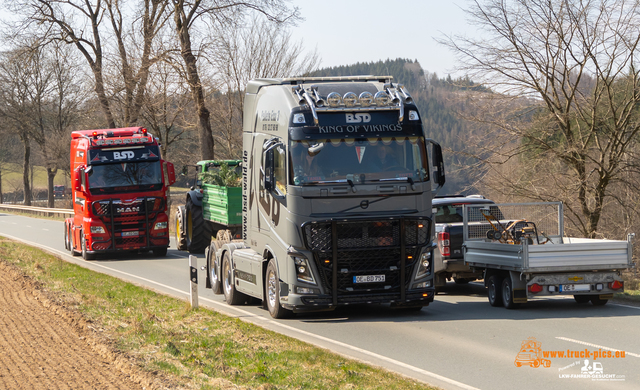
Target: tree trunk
25, 171
51, 174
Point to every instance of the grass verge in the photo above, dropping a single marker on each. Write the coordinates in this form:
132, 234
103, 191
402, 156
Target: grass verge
198, 349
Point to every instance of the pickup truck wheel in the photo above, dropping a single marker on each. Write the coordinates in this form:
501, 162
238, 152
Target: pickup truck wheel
272, 293
596, 301
181, 233
232, 296
507, 294
213, 269
85, 254
582, 298
198, 230
494, 287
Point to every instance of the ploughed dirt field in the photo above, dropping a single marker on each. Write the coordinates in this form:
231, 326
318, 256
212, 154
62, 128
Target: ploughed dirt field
45, 346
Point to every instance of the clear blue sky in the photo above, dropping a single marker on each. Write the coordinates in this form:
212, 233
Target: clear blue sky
349, 31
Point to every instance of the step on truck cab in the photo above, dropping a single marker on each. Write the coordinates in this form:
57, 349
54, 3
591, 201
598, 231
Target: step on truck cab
336, 198
119, 183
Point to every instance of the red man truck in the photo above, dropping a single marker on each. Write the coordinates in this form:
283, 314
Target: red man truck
119, 182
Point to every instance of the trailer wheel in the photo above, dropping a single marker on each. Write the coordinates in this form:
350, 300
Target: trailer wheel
181, 233
231, 295
198, 230
85, 254
582, 298
272, 293
213, 269
597, 301
507, 294
494, 287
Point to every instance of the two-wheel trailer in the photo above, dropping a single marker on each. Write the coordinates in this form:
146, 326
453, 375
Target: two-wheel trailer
524, 254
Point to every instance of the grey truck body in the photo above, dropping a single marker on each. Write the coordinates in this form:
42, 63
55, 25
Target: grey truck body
356, 227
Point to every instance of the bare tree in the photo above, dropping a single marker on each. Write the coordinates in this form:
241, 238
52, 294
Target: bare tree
187, 15
260, 50
574, 63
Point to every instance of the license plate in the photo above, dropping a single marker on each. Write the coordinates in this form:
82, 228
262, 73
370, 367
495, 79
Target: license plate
130, 234
575, 287
368, 279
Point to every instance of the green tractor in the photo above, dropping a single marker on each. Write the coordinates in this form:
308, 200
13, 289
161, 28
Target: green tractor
213, 207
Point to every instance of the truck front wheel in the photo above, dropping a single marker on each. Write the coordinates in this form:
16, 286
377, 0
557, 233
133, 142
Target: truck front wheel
494, 287
272, 293
86, 255
70, 239
232, 296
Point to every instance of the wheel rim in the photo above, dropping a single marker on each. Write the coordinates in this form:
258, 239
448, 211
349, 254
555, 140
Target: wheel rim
492, 291
271, 289
212, 270
506, 292
177, 229
227, 279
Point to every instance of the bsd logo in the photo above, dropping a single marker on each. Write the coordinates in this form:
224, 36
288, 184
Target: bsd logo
123, 155
358, 118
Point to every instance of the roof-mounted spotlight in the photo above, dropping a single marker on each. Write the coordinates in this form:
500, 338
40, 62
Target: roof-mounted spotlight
381, 98
334, 99
366, 99
350, 99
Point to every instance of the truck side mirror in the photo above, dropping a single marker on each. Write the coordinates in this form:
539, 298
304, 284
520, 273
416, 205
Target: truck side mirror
268, 170
171, 173
437, 162
77, 178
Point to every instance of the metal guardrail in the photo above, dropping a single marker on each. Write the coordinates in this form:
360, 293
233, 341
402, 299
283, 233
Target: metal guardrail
61, 213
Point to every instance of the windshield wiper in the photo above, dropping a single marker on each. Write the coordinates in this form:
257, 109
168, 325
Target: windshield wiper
407, 179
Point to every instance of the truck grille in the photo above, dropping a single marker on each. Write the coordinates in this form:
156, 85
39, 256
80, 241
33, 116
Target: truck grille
365, 247
122, 217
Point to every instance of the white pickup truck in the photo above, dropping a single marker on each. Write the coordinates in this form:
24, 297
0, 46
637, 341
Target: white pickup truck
524, 254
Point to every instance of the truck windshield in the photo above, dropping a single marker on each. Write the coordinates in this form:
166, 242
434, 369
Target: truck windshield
122, 177
358, 160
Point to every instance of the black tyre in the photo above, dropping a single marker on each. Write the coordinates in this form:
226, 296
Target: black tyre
232, 296
272, 292
160, 252
86, 255
70, 242
507, 294
181, 232
198, 230
596, 301
582, 298
494, 290
213, 268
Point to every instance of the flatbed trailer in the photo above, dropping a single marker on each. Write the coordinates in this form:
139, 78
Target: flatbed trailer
543, 262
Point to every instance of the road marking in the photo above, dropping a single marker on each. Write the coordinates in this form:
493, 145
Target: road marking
244, 313
46, 230
597, 346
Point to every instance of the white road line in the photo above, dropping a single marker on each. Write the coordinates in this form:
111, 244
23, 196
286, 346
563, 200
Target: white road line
46, 230
597, 346
254, 316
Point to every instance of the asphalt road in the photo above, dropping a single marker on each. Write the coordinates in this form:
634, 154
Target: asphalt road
458, 342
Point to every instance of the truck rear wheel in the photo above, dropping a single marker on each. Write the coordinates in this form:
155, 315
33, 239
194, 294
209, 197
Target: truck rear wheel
181, 233
494, 293
232, 296
507, 293
213, 269
272, 292
597, 301
198, 230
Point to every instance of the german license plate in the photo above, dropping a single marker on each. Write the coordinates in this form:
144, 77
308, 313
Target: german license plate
574, 287
130, 234
368, 279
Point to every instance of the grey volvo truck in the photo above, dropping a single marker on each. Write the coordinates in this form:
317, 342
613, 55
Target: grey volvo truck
337, 184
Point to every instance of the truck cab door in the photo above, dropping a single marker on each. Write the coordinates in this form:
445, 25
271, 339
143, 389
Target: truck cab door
273, 185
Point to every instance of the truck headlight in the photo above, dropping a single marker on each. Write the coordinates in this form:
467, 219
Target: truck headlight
303, 271
424, 265
97, 230
160, 225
